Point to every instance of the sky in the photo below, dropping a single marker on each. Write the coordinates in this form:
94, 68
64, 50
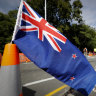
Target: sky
88, 10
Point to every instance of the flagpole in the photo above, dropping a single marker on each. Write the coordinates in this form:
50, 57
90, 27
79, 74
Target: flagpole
45, 11
19, 14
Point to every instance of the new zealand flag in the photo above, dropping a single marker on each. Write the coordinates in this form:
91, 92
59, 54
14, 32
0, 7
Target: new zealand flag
51, 51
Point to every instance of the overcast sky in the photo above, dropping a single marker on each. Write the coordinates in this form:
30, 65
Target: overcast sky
88, 10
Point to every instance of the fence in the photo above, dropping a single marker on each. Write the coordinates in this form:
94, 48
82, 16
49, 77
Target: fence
23, 58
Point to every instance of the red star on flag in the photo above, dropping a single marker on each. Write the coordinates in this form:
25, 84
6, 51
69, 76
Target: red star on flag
74, 56
72, 78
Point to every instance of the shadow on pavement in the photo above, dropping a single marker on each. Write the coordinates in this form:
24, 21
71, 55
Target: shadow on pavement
72, 92
28, 92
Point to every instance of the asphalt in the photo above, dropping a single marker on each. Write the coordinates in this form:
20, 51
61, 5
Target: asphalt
30, 73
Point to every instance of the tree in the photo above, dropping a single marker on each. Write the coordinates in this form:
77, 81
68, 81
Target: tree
88, 37
7, 23
83, 36
13, 14
77, 5
37, 5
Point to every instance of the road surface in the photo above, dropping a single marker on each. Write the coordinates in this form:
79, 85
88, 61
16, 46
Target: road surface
36, 82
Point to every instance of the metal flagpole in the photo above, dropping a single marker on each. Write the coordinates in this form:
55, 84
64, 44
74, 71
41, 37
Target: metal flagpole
45, 11
17, 21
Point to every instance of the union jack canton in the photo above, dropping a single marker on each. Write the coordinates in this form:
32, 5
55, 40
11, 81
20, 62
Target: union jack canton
36, 23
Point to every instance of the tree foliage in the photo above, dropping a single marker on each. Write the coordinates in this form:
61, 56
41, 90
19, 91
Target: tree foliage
7, 23
77, 5
83, 36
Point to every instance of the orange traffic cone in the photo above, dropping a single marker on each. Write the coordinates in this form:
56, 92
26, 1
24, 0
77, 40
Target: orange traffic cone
10, 84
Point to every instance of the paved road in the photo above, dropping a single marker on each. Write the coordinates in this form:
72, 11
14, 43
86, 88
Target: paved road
36, 82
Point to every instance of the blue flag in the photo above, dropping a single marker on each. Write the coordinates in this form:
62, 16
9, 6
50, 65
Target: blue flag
54, 53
